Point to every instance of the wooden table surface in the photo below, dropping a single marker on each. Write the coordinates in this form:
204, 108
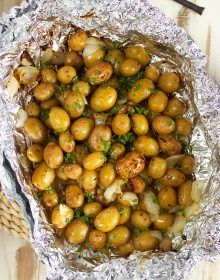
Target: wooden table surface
18, 260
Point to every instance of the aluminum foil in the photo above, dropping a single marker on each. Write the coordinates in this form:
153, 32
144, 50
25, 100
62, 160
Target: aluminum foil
36, 23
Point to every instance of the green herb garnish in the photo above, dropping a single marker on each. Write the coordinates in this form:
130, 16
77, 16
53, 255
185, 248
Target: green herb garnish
70, 139
75, 80
44, 115
126, 138
154, 200
104, 48
116, 44
107, 146
68, 221
114, 111
153, 90
92, 81
142, 110
170, 122
186, 147
121, 211
49, 190
70, 158
136, 232
135, 201
137, 87
90, 196
177, 135
40, 195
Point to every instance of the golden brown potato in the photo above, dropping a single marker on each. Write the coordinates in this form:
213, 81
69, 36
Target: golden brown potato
107, 219
141, 90
66, 142
163, 124
74, 196
169, 82
66, 74
49, 103
130, 165
184, 193
35, 130
44, 91
112, 82
77, 41
53, 155
157, 102
115, 58
140, 219
187, 164
136, 185
173, 178
43, 176
97, 239
99, 72
92, 209
80, 153
61, 95
35, 153
107, 175
57, 58
74, 104
48, 75
77, 232
183, 126
121, 124
94, 160
50, 199
152, 73
167, 198
118, 236
73, 59
145, 241
82, 87
125, 213
126, 249
139, 124
146, 145
94, 57
103, 99
60, 172
168, 144
59, 119
164, 221
139, 53
89, 179
175, 107
82, 128
32, 109
73, 171
130, 67
157, 168
117, 151
100, 135
61, 215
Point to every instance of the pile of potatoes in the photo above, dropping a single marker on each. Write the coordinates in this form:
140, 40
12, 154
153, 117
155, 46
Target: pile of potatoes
108, 149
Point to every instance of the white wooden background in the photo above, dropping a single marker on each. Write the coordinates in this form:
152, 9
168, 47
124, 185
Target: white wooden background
17, 259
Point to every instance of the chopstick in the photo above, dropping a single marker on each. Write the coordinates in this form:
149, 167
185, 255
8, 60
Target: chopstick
199, 10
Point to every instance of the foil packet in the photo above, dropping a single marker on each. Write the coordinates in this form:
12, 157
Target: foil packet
38, 23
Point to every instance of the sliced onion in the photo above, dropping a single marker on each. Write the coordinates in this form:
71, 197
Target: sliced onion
191, 210
113, 190
94, 41
12, 86
21, 118
178, 224
129, 199
151, 202
100, 118
157, 234
166, 244
172, 161
27, 74
92, 45
196, 192
26, 62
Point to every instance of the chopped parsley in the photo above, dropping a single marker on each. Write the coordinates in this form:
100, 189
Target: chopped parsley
114, 111
70, 139
107, 146
137, 87
75, 80
40, 195
127, 82
136, 232
116, 44
92, 81
177, 135
68, 221
121, 211
70, 158
135, 201
85, 146
90, 196
49, 190
154, 200
186, 147
44, 115
104, 48
170, 122
153, 90
128, 138
47, 64
142, 110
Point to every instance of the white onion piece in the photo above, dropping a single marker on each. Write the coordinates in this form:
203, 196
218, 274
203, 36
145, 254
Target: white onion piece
154, 217
172, 161
151, 202
26, 62
21, 118
196, 192
27, 74
113, 190
130, 198
99, 118
178, 224
12, 86
191, 210
157, 234
94, 41
166, 244
89, 50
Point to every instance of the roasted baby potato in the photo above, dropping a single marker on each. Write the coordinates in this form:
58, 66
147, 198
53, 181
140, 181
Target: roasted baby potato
74, 196
61, 216
99, 72
35, 153
139, 124
121, 124
107, 175
169, 82
152, 74
50, 198
74, 104
32, 109
77, 232
118, 236
59, 119
97, 239
77, 41
139, 53
169, 145
98, 138
130, 67
53, 155
157, 102
167, 198
103, 99
82, 128
35, 130
107, 219
141, 90
89, 179
145, 241
146, 145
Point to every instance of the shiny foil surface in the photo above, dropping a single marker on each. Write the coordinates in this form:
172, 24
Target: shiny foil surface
37, 23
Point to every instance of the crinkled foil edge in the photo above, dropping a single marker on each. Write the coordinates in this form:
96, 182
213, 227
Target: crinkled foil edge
203, 231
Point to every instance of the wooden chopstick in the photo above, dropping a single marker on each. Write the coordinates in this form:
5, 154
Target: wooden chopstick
191, 6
